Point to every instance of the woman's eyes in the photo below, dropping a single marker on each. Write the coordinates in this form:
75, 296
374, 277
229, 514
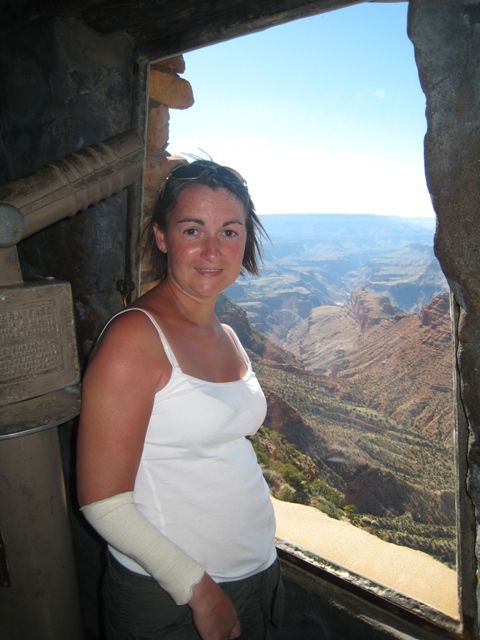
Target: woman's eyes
192, 233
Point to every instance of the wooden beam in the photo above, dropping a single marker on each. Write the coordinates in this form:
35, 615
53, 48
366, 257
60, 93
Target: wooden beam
205, 26
162, 28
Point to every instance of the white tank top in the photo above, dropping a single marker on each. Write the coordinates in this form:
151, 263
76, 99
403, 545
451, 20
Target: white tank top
198, 480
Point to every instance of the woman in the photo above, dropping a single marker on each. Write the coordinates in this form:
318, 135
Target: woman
165, 472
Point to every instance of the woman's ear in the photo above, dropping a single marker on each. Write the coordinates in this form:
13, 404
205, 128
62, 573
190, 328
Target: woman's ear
160, 238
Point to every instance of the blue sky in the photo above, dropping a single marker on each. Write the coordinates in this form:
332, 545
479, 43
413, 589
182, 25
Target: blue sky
321, 115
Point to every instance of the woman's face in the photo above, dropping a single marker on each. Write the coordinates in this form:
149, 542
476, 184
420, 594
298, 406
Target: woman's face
204, 240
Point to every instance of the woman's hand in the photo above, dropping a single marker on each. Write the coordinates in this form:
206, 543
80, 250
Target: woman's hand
213, 612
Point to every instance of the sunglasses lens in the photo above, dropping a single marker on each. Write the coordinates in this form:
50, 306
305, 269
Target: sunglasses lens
231, 173
195, 170
187, 171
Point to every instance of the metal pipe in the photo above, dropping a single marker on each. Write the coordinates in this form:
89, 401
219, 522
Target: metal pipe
71, 184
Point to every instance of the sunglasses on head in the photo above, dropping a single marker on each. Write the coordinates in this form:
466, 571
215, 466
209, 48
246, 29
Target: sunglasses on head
194, 170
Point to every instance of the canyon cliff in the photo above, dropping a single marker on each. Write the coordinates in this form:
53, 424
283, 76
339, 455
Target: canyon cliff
394, 362
359, 417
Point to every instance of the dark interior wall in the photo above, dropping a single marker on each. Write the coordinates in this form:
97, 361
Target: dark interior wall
63, 87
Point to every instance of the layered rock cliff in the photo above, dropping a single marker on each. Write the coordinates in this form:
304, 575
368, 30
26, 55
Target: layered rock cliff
358, 445
397, 363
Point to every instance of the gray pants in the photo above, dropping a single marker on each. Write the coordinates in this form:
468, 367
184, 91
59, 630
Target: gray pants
137, 608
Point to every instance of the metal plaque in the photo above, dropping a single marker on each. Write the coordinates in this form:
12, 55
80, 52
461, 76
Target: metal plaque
38, 352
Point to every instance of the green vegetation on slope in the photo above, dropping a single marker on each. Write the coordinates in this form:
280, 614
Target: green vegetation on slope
292, 476
391, 481
363, 434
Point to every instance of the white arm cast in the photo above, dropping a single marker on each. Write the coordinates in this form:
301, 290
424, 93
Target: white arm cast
121, 524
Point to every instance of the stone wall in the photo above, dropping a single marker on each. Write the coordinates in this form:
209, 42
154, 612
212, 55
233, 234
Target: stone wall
446, 37
64, 87
167, 90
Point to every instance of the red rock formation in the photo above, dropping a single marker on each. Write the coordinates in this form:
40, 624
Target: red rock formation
397, 363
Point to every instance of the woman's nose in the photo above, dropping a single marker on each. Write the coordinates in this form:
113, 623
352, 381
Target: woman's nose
211, 248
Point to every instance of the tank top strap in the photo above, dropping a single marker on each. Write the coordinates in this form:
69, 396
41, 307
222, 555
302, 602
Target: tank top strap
238, 344
168, 350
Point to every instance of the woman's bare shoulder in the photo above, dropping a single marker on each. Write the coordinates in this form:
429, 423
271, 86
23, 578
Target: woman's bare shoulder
131, 343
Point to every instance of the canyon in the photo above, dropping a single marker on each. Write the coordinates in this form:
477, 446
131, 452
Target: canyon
359, 389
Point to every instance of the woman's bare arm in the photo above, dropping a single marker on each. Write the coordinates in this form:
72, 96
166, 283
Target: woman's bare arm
127, 368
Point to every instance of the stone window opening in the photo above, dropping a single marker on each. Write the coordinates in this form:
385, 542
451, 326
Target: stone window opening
168, 90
